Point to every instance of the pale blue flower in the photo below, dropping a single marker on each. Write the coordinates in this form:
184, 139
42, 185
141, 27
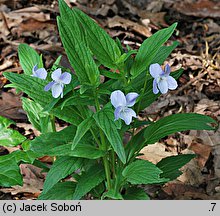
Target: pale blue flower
57, 85
162, 79
122, 104
39, 72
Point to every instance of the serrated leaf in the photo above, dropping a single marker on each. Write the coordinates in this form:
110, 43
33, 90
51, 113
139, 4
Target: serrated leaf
60, 191
168, 125
39, 119
9, 172
163, 53
68, 16
135, 193
79, 56
171, 165
101, 44
28, 58
112, 194
59, 144
105, 120
90, 179
9, 137
34, 87
82, 128
176, 123
142, 172
149, 49
25, 156
5, 122
61, 168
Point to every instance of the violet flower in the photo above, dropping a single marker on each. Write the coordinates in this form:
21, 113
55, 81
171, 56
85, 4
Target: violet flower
59, 80
39, 72
162, 79
122, 104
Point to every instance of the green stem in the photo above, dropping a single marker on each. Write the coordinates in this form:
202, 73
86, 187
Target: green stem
143, 91
104, 147
113, 162
52, 120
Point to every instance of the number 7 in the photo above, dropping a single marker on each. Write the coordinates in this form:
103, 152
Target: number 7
213, 206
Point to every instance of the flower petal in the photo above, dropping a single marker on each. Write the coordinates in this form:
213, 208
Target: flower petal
57, 90
65, 78
127, 115
56, 74
34, 68
155, 89
167, 70
49, 86
172, 83
41, 73
117, 112
163, 86
155, 70
118, 99
131, 98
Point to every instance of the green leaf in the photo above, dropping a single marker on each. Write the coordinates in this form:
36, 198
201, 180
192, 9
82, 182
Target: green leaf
135, 193
171, 165
110, 74
142, 172
37, 93
32, 86
39, 119
61, 168
28, 58
82, 128
9, 137
60, 191
163, 53
169, 125
4, 122
59, 144
9, 172
105, 120
101, 44
90, 179
112, 194
149, 49
176, 123
79, 56
25, 156
68, 16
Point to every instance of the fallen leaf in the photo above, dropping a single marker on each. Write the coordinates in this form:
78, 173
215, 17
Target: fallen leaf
200, 8
11, 106
129, 25
154, 153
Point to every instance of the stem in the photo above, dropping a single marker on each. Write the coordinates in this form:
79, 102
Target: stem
104, 147
143, 90
52, 120
113, 162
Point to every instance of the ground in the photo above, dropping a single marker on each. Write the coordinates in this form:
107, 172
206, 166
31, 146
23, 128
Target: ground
198, 32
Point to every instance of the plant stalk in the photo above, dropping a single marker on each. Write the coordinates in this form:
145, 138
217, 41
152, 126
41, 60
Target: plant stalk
104, 147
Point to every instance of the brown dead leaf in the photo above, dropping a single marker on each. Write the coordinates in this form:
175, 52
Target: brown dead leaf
32, 24
154, 153
192, 174
185, 192
200, 8
11, 106
126, 24
203, 152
